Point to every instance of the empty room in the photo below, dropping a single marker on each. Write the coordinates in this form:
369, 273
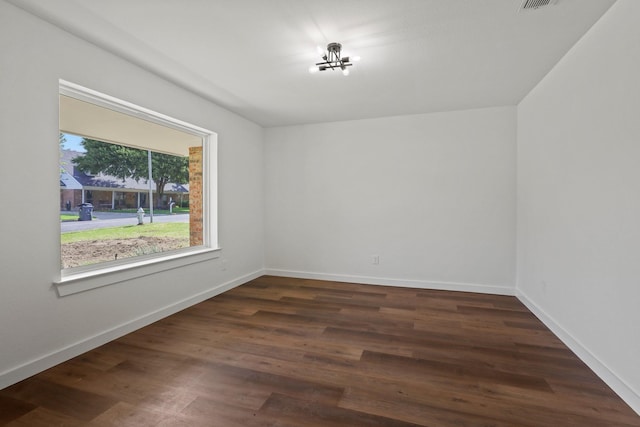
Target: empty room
320, 213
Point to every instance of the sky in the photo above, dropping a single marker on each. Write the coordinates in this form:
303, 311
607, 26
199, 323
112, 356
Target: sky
73, 142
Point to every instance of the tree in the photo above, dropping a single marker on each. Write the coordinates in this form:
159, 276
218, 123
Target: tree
125, 162
61, 141
167, 168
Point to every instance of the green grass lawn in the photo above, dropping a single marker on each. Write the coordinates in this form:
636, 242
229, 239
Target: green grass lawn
175, 230
68, 217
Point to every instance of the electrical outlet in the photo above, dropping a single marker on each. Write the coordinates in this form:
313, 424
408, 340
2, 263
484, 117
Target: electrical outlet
375, 259
223, 264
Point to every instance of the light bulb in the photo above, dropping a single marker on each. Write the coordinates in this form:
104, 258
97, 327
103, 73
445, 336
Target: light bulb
345, 71
354, 58
314, 69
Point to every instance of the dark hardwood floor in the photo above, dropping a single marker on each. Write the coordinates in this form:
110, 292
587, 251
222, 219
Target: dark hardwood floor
292, 352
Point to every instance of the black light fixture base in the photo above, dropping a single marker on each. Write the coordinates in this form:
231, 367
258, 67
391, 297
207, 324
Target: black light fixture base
334, 48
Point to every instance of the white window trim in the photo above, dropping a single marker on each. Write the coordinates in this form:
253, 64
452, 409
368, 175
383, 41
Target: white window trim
82, 279
80, 282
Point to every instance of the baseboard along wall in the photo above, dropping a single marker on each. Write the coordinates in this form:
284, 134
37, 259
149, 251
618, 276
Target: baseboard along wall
406, 283
47, 361
617, 384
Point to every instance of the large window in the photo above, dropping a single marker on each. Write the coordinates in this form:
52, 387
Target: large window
135, 190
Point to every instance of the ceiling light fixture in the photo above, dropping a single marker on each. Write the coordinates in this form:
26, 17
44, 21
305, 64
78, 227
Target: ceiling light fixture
333, 60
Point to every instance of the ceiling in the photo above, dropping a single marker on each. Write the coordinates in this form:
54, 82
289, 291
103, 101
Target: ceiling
93, 121
252, 56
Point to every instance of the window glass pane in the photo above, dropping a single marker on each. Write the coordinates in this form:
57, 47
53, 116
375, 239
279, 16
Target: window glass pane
114, 206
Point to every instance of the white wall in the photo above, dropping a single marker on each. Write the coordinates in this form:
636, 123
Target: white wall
579, 198
36, 327
432, 195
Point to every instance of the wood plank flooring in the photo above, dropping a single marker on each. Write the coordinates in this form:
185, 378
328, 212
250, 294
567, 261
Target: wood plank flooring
291, 352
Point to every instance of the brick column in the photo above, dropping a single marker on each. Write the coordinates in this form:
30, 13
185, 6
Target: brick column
195, 196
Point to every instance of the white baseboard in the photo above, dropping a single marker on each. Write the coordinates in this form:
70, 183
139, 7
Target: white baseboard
47, 361
405, 283
622, 389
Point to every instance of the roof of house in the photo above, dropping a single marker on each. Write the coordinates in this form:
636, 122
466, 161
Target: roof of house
101, 181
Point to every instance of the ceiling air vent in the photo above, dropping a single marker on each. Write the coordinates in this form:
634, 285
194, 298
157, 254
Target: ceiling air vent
535, 4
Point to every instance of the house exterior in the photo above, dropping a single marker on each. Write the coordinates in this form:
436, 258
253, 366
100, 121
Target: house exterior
107, 192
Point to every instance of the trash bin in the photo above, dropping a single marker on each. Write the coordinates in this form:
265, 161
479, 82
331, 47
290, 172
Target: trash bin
86, 209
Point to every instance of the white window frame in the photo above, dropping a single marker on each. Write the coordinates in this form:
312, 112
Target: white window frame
80, 279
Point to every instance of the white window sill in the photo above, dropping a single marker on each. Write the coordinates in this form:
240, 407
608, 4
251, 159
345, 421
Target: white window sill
73, 282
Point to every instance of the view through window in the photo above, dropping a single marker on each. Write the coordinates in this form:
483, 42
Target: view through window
129, 187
